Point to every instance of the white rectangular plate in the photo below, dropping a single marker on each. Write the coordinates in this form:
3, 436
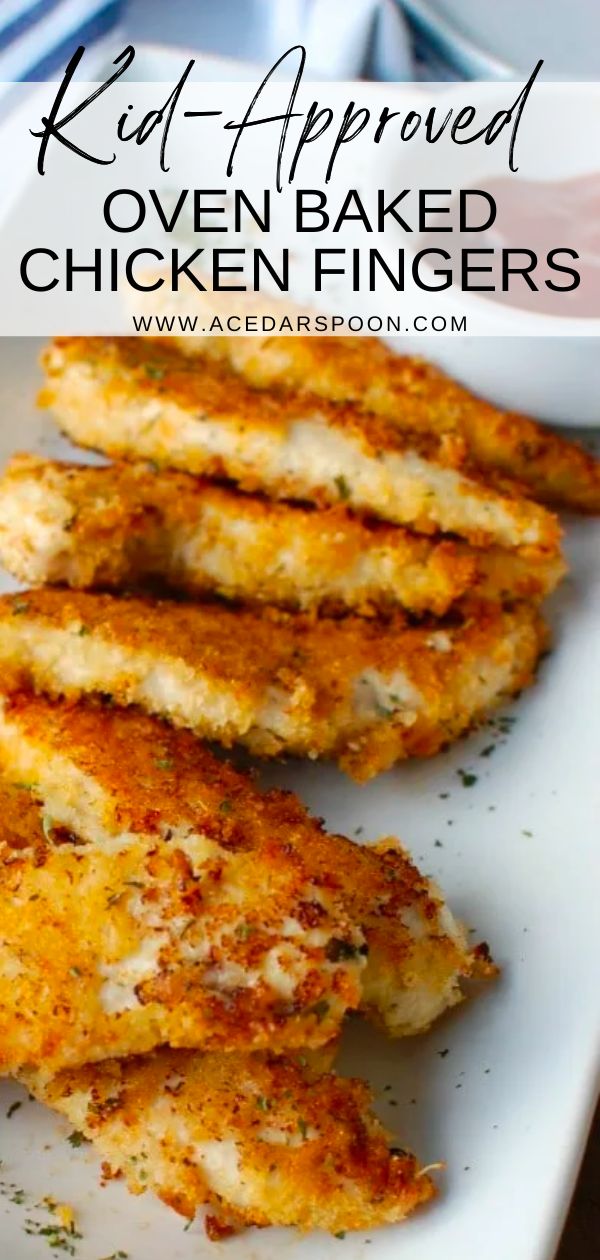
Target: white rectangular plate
502, 1090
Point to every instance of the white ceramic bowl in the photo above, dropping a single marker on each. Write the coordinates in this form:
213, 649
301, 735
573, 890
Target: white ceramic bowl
545, 365
556, 378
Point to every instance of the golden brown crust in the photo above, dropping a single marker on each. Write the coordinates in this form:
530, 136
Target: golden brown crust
355, 690
504, 576
418, 397
213, 391
122, 773
258, 1139
118, 396
126, 525
115, 949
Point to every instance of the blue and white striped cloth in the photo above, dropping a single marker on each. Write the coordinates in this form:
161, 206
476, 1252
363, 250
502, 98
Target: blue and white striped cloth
37, 37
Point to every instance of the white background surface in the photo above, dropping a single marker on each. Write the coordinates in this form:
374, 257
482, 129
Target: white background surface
508, 1106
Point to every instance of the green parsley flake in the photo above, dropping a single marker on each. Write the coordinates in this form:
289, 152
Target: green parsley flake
320, 1009
244, 931
343, 487
468, 779
58, 1237
76, 1139
339, 950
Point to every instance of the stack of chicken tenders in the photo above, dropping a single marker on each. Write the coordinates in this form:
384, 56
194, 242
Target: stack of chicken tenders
311, 547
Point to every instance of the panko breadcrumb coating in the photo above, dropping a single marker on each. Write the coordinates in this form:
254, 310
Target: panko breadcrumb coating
178, 939
115, 778
506, 576
362, 693
134, 400
260, 1141
418, 397
128, 526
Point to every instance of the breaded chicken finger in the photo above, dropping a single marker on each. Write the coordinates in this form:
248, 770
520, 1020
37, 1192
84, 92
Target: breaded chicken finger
126, 526
134, 400
353, 690
418, 397
258, 1140
181, 939
114, 778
